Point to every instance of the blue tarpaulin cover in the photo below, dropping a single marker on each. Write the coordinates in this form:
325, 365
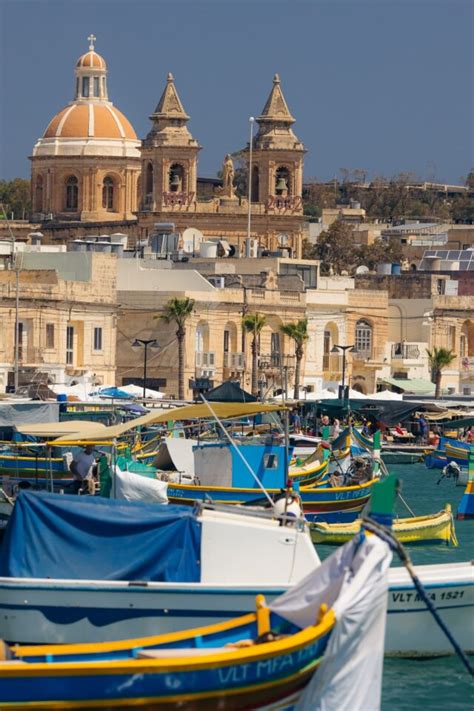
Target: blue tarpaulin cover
91, 538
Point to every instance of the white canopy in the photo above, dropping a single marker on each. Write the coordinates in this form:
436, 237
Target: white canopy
386, 395
137, 391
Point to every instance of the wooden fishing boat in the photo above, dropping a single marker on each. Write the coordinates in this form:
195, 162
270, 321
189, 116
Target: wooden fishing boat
215, 667
420, 530
457, 451
331, 504
310, 469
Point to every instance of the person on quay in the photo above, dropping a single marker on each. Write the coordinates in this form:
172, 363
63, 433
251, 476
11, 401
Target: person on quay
81, 468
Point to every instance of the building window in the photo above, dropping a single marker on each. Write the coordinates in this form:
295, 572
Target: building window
69, 345
50, 335
226, 341
452, 337
96, 86
39, 193
98, 338
363, 338
85, 87
255, 184
463, 346
108, 194
72, 193
149, 183
275, 350
20, 341
326, 349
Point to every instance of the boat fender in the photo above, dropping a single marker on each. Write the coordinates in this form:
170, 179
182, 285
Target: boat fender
289, 505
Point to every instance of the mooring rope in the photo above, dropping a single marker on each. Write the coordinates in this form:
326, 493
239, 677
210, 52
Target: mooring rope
387, 536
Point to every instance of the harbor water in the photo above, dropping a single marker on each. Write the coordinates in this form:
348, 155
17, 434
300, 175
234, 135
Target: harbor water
434, 684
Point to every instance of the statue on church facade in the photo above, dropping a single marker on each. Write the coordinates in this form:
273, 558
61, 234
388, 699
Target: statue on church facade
228, 174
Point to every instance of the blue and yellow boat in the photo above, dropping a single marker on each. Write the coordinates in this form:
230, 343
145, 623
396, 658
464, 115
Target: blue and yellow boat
229, 665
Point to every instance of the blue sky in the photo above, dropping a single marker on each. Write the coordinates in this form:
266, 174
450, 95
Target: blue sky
376, 84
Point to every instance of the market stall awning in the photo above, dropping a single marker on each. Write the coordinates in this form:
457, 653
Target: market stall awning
417, 386
91, 431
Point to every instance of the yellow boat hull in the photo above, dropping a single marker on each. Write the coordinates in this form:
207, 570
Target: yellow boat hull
421, 530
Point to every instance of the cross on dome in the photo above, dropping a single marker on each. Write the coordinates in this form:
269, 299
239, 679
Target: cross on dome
92, 38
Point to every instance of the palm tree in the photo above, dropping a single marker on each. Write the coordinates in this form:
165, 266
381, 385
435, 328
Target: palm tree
299, 333
253, 323
179, 310
439, 358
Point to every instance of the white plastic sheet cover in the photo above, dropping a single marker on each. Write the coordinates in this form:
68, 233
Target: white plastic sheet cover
354, 582
133, 487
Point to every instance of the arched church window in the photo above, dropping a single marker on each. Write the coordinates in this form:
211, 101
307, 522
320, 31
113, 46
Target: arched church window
39, 193
176, 178
282, 182
148, 182
108, 190
363, 338
255, 184
97, 86
72, 193
139, 192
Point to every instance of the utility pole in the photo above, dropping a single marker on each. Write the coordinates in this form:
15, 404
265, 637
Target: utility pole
15, 265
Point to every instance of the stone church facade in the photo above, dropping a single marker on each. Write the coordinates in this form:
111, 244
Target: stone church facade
90, 168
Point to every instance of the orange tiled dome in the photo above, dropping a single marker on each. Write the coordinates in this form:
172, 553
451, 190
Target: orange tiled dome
90, 120
91, 60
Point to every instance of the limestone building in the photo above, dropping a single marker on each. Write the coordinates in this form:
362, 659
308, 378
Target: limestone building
86, 166
66, 319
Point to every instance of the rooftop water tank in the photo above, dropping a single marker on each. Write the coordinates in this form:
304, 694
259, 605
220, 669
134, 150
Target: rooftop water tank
384, 268
208, 250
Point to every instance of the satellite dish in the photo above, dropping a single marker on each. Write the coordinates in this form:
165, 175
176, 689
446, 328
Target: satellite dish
362, 269
192, 238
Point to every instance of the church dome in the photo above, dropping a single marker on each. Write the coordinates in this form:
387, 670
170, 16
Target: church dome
90, 120
90, 124
91, 60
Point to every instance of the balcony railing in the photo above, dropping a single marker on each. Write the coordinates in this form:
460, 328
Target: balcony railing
269, 361
405, 351
234, 361
205, 360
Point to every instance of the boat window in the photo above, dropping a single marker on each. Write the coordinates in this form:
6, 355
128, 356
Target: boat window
270, 461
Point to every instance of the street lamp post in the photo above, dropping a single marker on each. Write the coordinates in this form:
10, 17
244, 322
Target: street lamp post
249, 178
137, 344
335, 349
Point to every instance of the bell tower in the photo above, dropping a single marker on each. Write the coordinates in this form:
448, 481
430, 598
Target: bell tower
277, 162
169, 157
